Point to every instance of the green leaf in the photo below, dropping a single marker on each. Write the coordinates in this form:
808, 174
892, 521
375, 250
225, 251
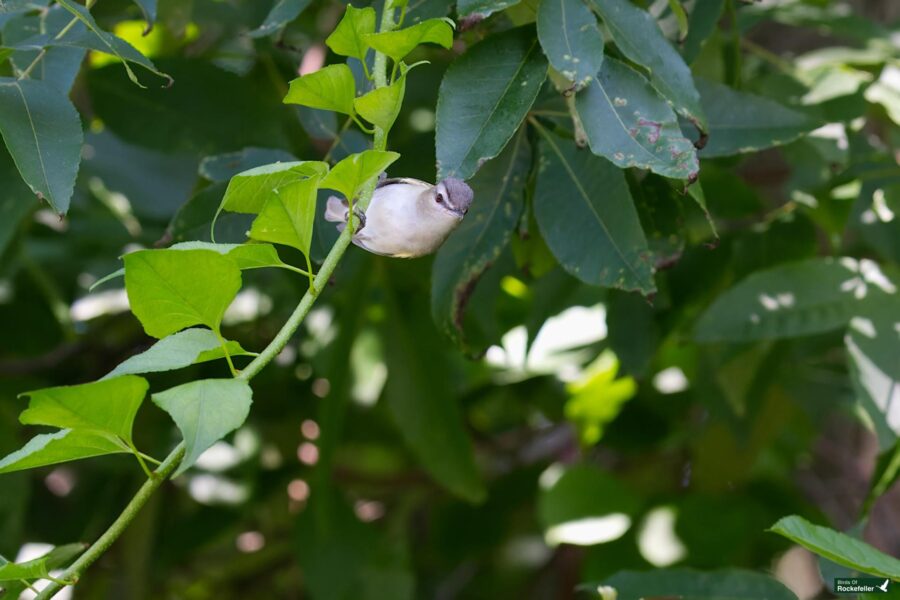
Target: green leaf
106, 407
696, 585
702, 22
638, 37
59, 447
102, 41
348, 38
289, 216
482, 9
740, 122
398, 43
627, 123
281, 14
40, 568
873, 345
16, 202
838, 547
60, 63
352, 173
478, 241
173, 289
205, 411
148, 9
381, 106
791, 300
249, 191
43, 134
330, 88
681, 17
484, 96
222, 167
418, 394
177, 351
588, 219
571, 39
571, 498
245, 256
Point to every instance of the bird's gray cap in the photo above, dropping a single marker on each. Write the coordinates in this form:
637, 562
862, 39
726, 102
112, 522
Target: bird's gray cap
459, 194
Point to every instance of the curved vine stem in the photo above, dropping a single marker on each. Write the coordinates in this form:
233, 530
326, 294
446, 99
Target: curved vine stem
170, 463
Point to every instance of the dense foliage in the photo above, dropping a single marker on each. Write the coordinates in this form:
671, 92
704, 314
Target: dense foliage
658, 356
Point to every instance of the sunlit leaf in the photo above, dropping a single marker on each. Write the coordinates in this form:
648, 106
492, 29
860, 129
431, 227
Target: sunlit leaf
40, 568
222, 167
173, 289
249, 191
205, 411
177, 351
484, 96
349, 37
352, 173
62, 446
107, 407
382, 105
329, 88
288, 217
400, 42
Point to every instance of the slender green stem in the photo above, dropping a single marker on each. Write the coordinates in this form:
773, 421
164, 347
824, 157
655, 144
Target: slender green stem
256, 365
106, 540
139, 458
58, 36
225, 351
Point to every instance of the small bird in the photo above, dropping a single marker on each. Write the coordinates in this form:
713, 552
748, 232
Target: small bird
406, 217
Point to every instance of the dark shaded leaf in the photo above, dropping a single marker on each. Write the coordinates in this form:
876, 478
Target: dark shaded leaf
571, 39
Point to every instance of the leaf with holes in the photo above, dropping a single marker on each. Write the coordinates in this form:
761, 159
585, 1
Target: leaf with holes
484, 96
627, 123
587, 217
205, 411
172, 289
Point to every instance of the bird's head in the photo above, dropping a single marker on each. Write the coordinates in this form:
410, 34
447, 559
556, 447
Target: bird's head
454, 195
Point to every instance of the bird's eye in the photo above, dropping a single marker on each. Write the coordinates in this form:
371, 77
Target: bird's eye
440, 198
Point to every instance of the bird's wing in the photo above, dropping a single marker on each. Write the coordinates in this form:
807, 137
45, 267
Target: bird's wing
403, 180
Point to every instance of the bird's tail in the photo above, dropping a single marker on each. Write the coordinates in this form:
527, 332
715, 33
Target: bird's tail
336, 210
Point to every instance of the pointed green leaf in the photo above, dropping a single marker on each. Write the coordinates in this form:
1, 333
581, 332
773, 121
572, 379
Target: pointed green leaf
248, 191
478, 241
281, 14
148, 9
59, 447
702, 22
398, 43
42, 131
482, 9
205, 411
418, 395
107, 406
587, 217
795, 299
838, 547
245, 256
571, 39
40, 568
696, 585
177, 351
288, 217
330, 88
627, 123
173, 289
381, 106
639, 38
352, 173
348, 38
102, 41
484, 96
740, 122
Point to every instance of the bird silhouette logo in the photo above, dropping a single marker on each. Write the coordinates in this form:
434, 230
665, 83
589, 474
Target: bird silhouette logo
883, 587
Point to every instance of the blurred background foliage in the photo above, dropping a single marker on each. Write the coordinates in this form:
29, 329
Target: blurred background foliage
589, 432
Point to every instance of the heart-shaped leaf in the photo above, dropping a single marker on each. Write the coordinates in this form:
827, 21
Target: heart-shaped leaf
352, 173
398, 43
249, 190
381, 106
289, 216
330, 88
348, 38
